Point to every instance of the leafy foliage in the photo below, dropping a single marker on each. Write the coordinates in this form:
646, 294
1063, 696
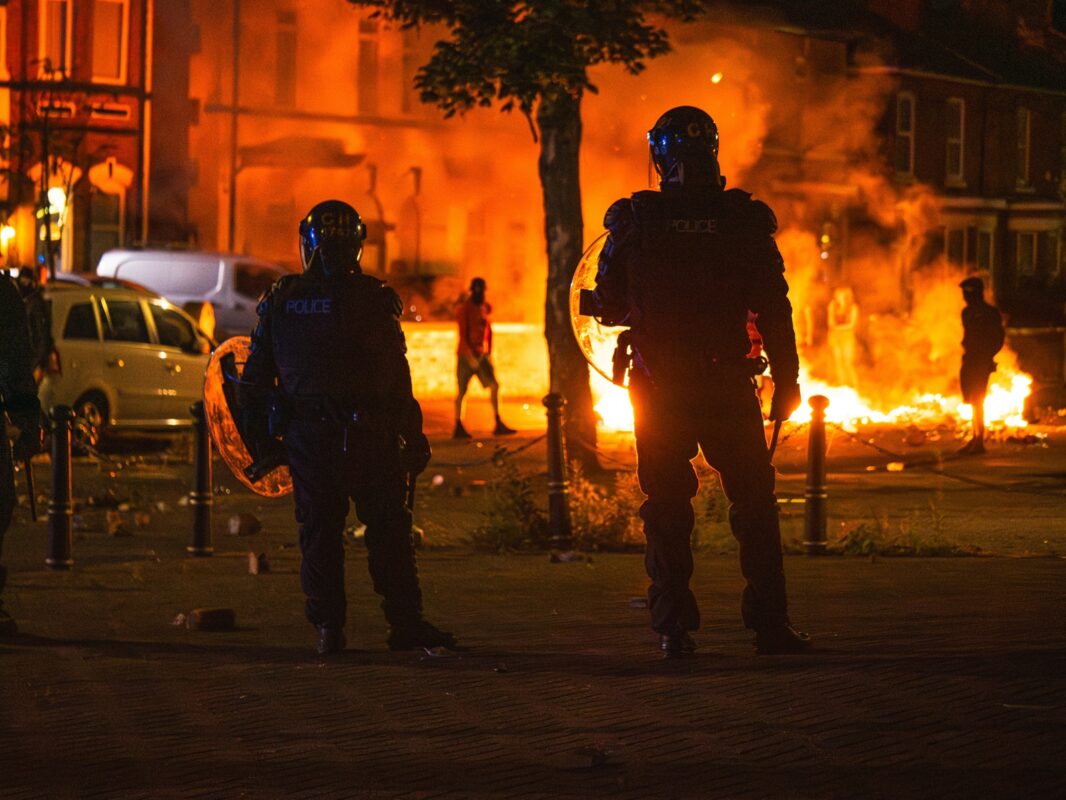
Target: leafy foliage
519, 52
513, 520
602, 519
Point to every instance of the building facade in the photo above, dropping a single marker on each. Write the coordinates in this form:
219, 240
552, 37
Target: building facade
75, 112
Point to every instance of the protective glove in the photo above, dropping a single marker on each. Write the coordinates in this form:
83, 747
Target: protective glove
30, 440
415, 453
785, 401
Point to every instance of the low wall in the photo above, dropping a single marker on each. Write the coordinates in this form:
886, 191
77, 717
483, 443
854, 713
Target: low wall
518, 352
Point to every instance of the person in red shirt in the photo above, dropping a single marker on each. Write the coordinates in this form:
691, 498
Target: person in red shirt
475, 347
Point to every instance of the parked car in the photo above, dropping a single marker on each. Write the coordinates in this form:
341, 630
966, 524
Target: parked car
123, 360
231, 284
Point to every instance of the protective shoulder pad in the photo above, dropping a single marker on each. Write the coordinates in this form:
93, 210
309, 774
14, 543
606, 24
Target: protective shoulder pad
762, 216
619, 214
279, 286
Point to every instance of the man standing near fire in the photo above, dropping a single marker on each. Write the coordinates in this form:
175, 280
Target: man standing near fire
683, 267
474, 356
982, 338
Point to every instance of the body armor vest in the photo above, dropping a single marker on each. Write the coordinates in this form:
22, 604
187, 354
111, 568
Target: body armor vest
337, 339
690, 289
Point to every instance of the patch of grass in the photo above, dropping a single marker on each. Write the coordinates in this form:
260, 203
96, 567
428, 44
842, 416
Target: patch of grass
917, 535
513, 520
602, 518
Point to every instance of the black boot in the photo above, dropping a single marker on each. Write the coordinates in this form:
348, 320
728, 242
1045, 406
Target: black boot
502, 429
677, 645
460, 431
419, 635
781, 640
331, 640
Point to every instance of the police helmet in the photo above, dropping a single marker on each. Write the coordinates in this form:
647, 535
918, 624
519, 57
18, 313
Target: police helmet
331, 238
683, 135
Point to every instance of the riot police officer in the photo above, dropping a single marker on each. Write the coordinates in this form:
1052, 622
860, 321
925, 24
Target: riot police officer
327, 382
683, 267
18, 400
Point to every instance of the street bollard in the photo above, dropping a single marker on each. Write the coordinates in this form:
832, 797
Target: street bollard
201, 498
816, 495
558, 486
60, 508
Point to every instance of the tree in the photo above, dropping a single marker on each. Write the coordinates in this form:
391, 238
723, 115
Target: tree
535, 57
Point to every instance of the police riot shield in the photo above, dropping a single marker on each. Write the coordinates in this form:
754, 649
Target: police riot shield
220, 404
598, 342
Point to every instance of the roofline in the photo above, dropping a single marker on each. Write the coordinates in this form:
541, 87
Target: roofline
917, 73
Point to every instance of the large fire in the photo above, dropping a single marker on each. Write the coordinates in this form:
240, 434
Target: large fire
1004, 404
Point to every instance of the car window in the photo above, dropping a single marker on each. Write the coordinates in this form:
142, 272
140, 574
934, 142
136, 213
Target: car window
173, 329
126, 321
81, 322
253, 280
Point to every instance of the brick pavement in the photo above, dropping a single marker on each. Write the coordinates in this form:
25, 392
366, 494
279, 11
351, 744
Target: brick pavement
933, 678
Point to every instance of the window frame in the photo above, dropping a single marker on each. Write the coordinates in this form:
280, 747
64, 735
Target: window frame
93, 310
368, 103
1024, 146
123, 44
107, 329
286, 27
956, 178
909, 97
991, 234
162, 306
43, 7
1035, 236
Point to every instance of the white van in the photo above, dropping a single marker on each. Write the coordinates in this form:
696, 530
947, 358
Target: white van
232, 284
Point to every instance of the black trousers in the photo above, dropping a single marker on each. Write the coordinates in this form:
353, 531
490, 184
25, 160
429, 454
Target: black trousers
725, 421
329, 469
8, 499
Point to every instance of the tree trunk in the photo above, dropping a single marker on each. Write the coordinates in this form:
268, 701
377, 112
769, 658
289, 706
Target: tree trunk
559, 123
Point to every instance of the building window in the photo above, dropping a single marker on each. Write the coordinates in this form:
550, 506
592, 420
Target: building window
904, 157
285, 67
1026, 252
955, 245
110, 21
106, 212
53, 47
984, 250
369, 49
1025, 129
1058, 16
956, 129
409, 68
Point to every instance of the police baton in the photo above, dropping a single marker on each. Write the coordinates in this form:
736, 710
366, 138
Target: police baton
27, 465
773, 437
411, 478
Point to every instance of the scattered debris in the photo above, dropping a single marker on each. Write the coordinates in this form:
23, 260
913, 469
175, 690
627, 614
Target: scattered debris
183, 500
162, 506
244, 524
500, 669
638, 602
179, 621
141, 520
356, 532
895, 466
438, 481
116, 524
258, 564
212, 619
915, 436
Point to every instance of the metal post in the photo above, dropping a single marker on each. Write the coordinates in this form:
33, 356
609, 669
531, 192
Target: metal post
201, 498
60, 508
558, 486
816, 495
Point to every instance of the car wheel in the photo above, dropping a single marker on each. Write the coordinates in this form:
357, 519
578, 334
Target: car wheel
90, 421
